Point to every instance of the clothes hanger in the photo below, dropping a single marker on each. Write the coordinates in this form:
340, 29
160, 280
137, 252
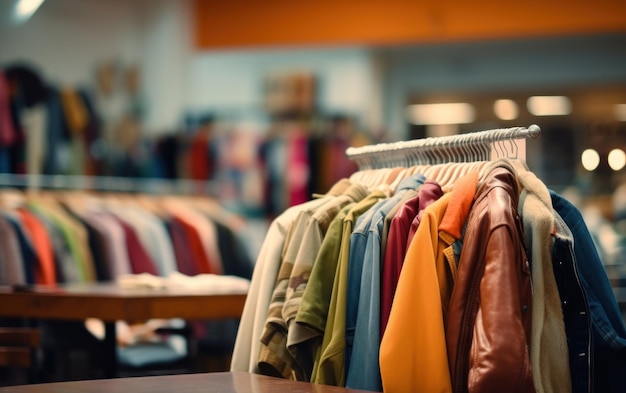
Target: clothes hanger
361, 174
450, 170
421, 163
432, 171
11, 199
396, 175
438, 160
461, 160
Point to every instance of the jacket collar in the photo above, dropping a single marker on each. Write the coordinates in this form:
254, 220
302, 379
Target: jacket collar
461, 198
501, 174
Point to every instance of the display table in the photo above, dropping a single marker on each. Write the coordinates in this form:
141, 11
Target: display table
110, 303
235, 382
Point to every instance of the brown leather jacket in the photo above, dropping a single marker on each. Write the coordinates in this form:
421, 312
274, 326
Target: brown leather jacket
489, 322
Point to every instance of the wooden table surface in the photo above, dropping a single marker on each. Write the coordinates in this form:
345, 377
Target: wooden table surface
235, 382
110, 303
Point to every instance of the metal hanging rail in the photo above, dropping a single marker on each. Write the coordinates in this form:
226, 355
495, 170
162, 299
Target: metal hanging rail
108, 184
474, 146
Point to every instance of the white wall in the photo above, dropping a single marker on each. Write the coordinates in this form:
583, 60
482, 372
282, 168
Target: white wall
165, 50
232, 80
67, 39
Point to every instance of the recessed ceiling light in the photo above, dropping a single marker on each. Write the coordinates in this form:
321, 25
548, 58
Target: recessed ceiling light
24, 9
549, 105
434, 114
590, 159
506, 109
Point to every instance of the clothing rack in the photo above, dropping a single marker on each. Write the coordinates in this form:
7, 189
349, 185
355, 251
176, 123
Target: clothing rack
108, 184
469, 147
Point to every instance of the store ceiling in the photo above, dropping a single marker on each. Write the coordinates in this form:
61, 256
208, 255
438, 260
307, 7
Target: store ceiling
248, 23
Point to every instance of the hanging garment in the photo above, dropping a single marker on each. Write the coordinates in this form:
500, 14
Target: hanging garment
290, 287
363, 290
66, 265
575, 307
34, 122
231, 250
202, 235
297, 170
56, 135
29, 258
423, 296
44, 273
397, 244
151, 235
74, 235
11, 267
548, 346
304, 253
97, 241
118, 259
7, 130
140, 261
331, 366
252, 322
182, 248
608, 331
488, 327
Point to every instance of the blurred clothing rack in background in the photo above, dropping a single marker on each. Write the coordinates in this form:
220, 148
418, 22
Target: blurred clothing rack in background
109, 184
469, 147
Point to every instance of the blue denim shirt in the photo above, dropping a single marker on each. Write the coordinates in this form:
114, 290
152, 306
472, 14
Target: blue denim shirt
608, 333
363, 296
358, 243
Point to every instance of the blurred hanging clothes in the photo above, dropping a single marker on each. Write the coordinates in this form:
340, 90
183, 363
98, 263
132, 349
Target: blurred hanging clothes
7, 130
297, 168
45, 272
77, 119
202, 155
285, 157
31, 87
182, 247
33, 122
95, 157
338, 165
11, 269
29, 258
274, 157
65, 263
140, 260
112, 233
74, 236
8, 133
27, 90
98, 240
168, 150
237, 261
56, 135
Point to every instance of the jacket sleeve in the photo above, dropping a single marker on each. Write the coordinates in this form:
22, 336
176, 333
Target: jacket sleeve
499, 356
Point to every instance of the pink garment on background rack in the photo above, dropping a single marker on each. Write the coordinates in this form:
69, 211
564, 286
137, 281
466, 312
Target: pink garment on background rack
7, 131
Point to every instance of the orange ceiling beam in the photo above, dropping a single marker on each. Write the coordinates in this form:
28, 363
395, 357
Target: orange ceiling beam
263, 23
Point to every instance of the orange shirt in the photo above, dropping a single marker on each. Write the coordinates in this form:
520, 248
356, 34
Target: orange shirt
45, 273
